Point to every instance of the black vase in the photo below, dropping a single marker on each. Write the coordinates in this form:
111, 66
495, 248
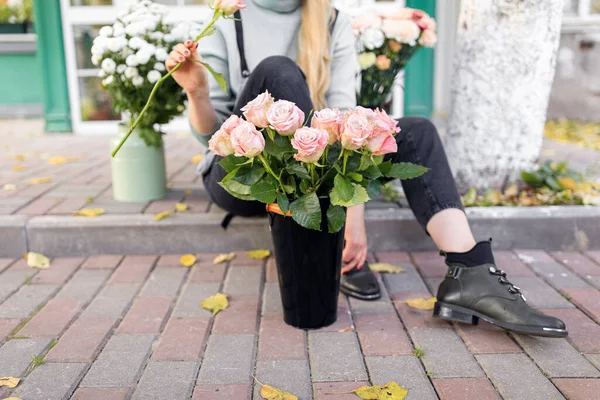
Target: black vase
309, 265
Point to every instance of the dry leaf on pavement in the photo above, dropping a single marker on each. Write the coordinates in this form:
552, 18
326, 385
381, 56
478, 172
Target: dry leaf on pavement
89, 212
270, 393
187, 192
162, 215
223, 258
19, 157
188, 260
10, 186
38, 181
385, 267
259, 254
215, 303
57, 160
37, 260
181, 207
18, 168
197, 158
421, 303
12, 398
391, 391
9, 381
345, 330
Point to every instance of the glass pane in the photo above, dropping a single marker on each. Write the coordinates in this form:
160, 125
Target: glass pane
96, 103
570, 7
91, 2
595, 7
84, 37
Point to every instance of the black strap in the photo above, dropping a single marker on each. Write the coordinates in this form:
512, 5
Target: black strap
239, 35
335, 16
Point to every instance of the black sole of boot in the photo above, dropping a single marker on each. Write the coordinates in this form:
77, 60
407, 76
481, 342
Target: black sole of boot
366, 297
452, 312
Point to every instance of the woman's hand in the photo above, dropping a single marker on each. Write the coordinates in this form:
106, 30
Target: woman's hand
356, 249
191, 76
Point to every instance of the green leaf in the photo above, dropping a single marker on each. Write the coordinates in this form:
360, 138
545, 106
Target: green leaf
306, 211
236, 189
360, 196
553, 184
532, 179
406, 171
304, 186
278, 147
250, 174
385, 167
290, 185
373, 188
353, 162
283, 202
334, 153
263, 192
336, 217
231, 162
372, 172
218, 77
355, 176
343, 187
298, 170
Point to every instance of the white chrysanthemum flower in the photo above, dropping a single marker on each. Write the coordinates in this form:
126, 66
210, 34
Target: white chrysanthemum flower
109, 65
137, 81
160, 67
132, 60
143, 56
101, 41
96, 59
118, 25
137, 42
118, 32
101, 74
150, 25
98, 50
109, 79
115, 45
367, 60
106, 31
161, 54
372, 38
154, 76
121, 68
169, 38
157, 35
130, 72
135, 29
159, 9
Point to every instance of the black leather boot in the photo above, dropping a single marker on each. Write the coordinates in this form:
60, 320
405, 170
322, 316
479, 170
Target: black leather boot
482, 291
360, 283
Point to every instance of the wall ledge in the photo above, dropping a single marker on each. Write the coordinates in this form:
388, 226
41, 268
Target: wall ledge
18, 43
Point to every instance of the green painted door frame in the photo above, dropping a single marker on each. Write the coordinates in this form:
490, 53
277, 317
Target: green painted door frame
50, 46
418, 81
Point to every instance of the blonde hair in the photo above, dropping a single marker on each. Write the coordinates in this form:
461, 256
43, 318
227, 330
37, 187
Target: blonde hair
313, 48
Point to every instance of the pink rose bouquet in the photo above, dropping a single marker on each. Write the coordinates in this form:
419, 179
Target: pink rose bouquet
272, 156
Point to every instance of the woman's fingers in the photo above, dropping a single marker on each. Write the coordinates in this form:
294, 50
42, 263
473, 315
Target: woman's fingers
184, 51
170, 64
176, 56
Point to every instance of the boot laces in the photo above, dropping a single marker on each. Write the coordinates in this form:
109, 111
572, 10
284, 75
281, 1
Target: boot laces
502, 279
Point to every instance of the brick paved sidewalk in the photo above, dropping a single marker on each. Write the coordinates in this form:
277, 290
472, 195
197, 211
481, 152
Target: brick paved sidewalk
112, 328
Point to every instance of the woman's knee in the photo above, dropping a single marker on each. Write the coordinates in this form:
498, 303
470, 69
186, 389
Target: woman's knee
280, 69
422, 130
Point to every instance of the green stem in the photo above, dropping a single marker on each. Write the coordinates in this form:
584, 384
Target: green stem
215, 17
362, 161
345, 162
264, 162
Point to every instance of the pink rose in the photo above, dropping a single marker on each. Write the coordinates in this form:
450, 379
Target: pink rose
310, 143
428, 38
231, 123
403, 13
220, 143
229, 6
366, 21
381, 142
256, 110
382, 119
402, 31
367, 112
425, 22
247, 141
328, 119
355, 130
285, 117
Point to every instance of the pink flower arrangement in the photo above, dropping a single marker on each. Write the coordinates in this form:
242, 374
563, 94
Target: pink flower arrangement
310, 143
328, 120
246, 140
256, 110
228, 7
285, 117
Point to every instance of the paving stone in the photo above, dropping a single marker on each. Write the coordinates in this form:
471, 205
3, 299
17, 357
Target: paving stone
404, 370
227, 360
178, 376
243, 281
408, 281
515, 376
242, 259
241, 316
433, 284
146, 315
279, 341
391, 257
539, 294
163, 282
169, 260
271, 304
584, 333
557, 358
112, 206
112, 301
82, 341
510, 263
189, 301
39, 206
484, 338
203, 273
77, 190
335, 356
445, 354
59, 272
11, 280
133, 269
271, 274
382, 335
586, 299
578, 389
101, 394
222, 392
594, 359
320, 390
52, 319
577, 262
102, 261
159, 206
51, 381
533, 256
84, 284
120, 363
15, 355
465, 389
430, 264
182, 340
7, 326
383, 304
559, 276
5, 263
594, 255
413, 318
69, 205
343, 321
292, 376
26, 300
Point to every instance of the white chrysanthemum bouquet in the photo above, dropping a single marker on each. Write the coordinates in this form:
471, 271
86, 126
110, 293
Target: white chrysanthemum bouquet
386, 44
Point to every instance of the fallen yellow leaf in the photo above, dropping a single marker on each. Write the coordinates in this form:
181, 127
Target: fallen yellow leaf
57, 160
345, 330
162, 215
421, 303
89, 212
9, 381
512, 190
259, 254
197, 158
181, 207
187, 192
391, 391
385, 267
37, 260
567, 183
12, 398
18, 168
215, 303
10, 186
19, 157
270, 393
223, 257
37, 181
188, 260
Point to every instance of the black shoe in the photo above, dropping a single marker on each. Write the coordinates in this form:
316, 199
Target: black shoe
360, 283
470, 293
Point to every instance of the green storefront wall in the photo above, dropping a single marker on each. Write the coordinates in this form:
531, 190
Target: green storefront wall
21, 80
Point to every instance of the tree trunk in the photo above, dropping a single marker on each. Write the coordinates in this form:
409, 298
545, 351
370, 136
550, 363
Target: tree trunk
503, 72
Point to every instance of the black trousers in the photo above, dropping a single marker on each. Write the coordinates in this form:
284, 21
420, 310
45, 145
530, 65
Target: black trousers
418, 142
